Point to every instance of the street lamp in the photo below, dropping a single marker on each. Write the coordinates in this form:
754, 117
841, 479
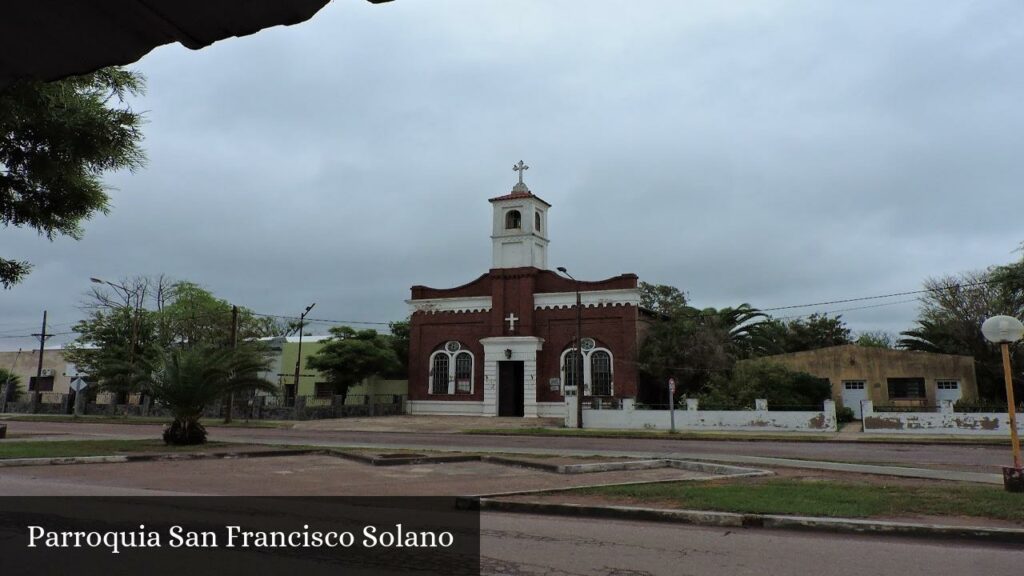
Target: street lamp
579, 350
298, 359
1004, 330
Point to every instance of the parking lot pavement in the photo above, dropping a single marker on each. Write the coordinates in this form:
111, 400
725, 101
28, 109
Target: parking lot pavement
307, 475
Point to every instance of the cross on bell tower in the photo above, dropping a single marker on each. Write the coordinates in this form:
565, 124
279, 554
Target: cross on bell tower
521, 167
519, 233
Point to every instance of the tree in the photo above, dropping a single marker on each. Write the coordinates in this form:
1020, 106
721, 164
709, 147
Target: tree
763, 379
192, 378
816, 331
400, 344
661, 298
132, 325
950, 316
690, 344
349, 356
56, 141
876, 339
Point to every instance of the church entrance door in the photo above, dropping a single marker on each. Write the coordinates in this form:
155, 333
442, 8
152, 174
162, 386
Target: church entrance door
510, 389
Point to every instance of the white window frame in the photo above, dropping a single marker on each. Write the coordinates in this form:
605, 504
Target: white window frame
587, 379
863, 384
451, 372
947, 381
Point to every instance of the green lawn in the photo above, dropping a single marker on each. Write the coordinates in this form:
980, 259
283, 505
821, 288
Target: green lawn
208, 422
827, 498
65, 448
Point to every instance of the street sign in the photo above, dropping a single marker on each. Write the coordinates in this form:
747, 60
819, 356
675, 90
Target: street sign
672, 384
78, 385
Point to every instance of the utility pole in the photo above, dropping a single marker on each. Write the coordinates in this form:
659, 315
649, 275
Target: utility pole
298, 358
39, 367
234, 345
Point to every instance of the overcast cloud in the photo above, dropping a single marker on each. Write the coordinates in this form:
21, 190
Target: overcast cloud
774, 153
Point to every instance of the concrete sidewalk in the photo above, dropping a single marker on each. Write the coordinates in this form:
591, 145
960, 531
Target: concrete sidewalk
906, 472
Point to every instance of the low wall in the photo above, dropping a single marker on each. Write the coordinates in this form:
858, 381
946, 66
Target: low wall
457, 408
945, 421
692, 418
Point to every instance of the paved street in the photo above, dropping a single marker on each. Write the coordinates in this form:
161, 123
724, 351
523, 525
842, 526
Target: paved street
524, 545
985, 459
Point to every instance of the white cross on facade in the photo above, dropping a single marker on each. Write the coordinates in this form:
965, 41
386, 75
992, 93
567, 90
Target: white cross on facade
512, 318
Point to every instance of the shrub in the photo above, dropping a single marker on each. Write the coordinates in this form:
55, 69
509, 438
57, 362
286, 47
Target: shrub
844, 414
974, 405
773, 382
184, 433
16, 391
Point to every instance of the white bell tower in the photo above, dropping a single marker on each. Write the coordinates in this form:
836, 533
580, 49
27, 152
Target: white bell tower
519, 232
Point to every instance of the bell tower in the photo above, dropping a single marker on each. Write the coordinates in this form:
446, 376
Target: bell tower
519, 231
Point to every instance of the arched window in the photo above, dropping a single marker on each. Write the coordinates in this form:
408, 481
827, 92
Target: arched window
451, 370
601, 373
463, 373
598, 369
439, 376
571, 367
536, 221
513, 220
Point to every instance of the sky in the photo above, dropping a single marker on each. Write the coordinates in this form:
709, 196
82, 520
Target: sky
774, 153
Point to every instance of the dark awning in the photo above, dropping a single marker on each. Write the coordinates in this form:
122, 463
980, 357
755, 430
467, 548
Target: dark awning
51, 39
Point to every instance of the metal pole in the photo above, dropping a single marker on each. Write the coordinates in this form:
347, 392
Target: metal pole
42, 341
34, 397
672, 403
579, 358
298, 358
234, 345
1011, 408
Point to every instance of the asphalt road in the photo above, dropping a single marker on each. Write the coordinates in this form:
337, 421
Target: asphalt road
955, 457
524, 545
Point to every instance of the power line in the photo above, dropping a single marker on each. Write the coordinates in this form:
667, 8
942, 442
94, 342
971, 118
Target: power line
849, 309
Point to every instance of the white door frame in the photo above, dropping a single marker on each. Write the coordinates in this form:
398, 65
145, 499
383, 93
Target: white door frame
520, 348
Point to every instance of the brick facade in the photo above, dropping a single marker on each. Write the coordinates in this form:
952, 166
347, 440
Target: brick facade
512, 291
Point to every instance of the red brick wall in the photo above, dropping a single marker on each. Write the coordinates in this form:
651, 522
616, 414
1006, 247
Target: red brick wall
511, 290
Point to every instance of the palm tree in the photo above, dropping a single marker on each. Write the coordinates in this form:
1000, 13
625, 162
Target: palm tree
191, 379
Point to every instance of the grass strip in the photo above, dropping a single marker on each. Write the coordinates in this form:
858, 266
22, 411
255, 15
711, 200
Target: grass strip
72, 448
825, 498
101, 419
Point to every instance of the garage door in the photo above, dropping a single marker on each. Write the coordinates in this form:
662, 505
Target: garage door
947, 390
853, 392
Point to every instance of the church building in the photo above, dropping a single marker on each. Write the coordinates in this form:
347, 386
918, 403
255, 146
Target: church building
504, 344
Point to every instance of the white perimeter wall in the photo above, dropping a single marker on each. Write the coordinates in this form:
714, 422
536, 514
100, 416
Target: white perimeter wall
946, 421
711, 420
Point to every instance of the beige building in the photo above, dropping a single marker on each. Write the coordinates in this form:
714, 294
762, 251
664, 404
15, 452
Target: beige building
886, 377
57, 372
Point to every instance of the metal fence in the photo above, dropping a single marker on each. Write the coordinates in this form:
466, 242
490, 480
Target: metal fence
902, 408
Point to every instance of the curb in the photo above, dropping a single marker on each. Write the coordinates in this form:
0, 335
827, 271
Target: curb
796, 439
768, 521
398, 461
122, 458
